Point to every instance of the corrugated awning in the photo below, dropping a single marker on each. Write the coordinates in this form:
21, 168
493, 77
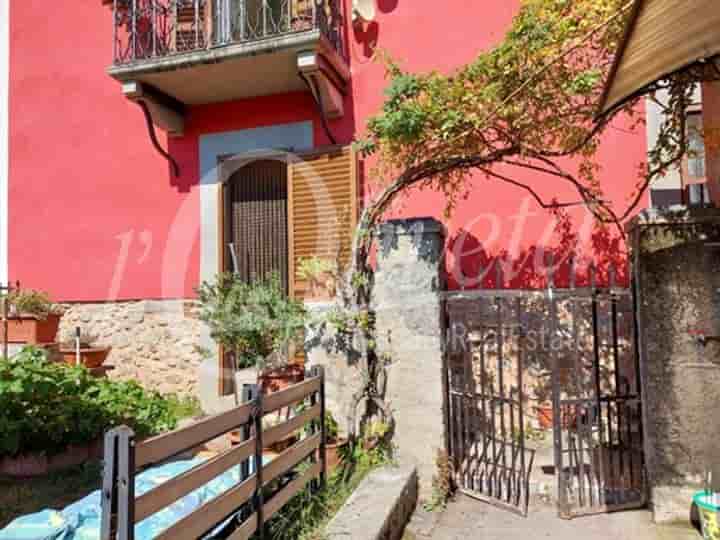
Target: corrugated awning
662, 37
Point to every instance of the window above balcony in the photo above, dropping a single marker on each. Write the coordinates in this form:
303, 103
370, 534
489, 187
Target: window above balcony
208, 51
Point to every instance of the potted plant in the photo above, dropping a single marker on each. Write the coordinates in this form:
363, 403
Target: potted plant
334, 445
275, 419
258, 323
544, 408
320, 276
82, 351
32, 317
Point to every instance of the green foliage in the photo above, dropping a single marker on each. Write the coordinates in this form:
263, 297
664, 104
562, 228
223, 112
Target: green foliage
332, 430
307, 513
313, 268
253, 319
478, 109
515, 114
184, 406
442, 483
376, 430
347, 321
45, 406
30, 302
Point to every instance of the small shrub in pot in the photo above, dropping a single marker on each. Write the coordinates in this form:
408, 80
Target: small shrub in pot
32, 317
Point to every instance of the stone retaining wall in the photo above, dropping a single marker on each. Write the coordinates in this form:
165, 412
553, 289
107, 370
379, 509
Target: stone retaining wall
154, 342
379, 508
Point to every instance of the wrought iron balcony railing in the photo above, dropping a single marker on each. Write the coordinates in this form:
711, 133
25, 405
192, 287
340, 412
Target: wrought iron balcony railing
154, 29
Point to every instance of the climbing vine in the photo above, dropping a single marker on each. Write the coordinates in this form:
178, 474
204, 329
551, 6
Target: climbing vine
526, 105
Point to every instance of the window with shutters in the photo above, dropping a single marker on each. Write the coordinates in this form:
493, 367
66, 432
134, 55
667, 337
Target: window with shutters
277, 213
323, 210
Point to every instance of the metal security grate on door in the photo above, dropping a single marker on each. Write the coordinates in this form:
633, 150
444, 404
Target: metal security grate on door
257, 221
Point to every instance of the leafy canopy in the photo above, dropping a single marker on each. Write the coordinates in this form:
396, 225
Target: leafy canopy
524, 106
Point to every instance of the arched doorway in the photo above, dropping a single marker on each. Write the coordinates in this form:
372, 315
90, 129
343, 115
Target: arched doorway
256, 221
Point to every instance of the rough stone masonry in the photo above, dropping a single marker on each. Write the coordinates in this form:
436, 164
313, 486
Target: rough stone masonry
677, 273
154, 342
407, 300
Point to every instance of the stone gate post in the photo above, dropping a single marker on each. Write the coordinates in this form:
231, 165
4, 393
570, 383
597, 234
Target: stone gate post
676, 260
408, 302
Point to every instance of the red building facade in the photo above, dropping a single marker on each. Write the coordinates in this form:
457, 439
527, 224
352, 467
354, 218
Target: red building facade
96, 213
239, 91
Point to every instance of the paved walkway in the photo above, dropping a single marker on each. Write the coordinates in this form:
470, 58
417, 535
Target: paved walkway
466, 519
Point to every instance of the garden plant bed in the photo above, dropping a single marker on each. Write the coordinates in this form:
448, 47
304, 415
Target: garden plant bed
53, 416
41, 464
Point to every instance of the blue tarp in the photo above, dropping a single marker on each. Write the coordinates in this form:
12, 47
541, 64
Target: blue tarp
81, 520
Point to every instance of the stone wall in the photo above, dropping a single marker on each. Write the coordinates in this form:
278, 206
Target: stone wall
154, 342
407, 299
677, 270
379, 508
342, 378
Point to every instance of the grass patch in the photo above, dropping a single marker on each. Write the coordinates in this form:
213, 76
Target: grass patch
29, 495
183, 406
308, 513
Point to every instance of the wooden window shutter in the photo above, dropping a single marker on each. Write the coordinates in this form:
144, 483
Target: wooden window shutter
322, 210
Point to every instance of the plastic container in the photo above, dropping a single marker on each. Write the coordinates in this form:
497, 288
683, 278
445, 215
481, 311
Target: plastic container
708, 506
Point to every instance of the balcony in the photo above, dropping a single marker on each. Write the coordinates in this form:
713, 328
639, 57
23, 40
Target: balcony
194, 52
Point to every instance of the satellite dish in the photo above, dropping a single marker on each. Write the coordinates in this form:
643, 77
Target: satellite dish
364, 10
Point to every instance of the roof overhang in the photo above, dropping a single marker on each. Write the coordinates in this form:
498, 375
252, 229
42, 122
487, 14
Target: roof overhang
661, 38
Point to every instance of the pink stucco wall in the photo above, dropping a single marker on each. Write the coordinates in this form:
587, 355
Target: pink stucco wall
94, 210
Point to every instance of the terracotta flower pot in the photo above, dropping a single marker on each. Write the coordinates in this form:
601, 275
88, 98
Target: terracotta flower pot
277, 379
283, 444
90, 357
544, 416
31, 330
333, 453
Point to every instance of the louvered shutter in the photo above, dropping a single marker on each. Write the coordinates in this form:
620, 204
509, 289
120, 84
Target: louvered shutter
322, 209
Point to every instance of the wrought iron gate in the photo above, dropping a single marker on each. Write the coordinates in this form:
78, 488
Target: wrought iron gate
487, 404
581, 343
597, 409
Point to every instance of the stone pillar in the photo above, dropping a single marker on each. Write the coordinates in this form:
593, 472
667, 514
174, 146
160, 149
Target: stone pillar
677, 272
407, 299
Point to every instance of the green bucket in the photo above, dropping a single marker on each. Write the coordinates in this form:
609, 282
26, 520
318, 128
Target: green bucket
709, 508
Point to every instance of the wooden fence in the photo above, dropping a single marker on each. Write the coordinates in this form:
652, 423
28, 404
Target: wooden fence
246, 501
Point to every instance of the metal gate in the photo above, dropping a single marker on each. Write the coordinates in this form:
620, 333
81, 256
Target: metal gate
597, 409
578, 344
487, 406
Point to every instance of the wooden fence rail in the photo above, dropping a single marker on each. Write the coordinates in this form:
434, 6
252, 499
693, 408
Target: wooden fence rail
245, 501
